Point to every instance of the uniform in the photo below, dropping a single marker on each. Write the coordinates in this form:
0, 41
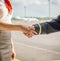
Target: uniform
5, 36
48, 27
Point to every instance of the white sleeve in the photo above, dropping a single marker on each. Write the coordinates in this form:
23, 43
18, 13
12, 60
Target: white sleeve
3, 10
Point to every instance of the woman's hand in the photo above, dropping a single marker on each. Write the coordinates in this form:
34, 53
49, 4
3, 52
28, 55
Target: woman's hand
13, 55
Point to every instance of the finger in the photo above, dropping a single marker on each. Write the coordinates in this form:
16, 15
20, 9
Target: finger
34, 32
31, 28
26, 35
29, 35
13, 55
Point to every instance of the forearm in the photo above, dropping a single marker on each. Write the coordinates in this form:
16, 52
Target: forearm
47, 27
11, 27
12, 45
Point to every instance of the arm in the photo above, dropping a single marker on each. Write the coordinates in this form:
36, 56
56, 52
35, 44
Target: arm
13, 54
44, 28
12, 45
11, 27
47, 27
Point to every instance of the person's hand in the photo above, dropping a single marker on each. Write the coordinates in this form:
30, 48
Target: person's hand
31, 32
13, 55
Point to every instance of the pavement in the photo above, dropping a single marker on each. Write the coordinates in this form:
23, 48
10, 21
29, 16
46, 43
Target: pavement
37, 48
16, 59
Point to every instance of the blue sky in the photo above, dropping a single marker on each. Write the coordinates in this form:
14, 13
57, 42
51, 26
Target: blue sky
36, 8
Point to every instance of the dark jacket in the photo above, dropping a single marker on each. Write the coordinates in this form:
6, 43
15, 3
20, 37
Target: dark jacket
48, 27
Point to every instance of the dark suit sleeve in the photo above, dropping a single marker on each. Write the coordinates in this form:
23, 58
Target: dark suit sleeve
47, 27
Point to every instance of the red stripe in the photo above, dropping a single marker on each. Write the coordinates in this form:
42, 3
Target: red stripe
9, 6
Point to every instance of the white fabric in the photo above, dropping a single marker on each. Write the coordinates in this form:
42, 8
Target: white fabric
6, 17
5, 36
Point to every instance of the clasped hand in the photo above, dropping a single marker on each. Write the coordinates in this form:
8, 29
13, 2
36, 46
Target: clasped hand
31, 32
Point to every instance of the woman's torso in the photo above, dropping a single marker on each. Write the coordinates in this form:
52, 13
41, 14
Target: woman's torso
5, 36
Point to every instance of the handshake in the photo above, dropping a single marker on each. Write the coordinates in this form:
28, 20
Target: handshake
31, 31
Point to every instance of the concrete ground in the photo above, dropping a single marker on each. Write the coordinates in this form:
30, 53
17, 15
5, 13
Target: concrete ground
37, 48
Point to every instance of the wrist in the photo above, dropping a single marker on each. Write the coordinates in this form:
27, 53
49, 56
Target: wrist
37, 28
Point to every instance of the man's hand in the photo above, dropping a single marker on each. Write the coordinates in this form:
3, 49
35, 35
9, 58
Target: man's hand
31, 32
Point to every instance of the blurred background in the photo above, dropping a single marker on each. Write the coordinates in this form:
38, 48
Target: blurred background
36, 8
40, 47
